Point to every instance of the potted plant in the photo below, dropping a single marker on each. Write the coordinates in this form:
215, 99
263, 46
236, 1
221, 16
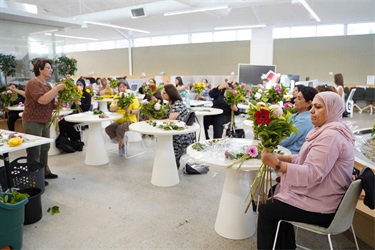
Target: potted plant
66, 65
8, 65
12, 206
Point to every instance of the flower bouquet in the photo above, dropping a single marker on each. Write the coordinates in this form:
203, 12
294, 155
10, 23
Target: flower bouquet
152, 109
113, 83
271, 125
70, 94
90, 90
290, 107
199, 87
234, 97
124, 101
8, 97
150, 88
276, 93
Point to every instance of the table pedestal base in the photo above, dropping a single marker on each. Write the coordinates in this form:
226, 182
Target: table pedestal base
53, 135
232, 222
164, 172
96, 153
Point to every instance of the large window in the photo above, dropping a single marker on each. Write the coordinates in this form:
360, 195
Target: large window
204, 37
302, 31
330, 30
142, 42
159, 40
224, 36
361, 28
179, 39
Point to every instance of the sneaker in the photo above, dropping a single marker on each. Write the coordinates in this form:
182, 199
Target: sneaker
121, 152
51, 176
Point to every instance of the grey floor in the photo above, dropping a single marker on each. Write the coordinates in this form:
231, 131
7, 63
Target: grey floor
115, 206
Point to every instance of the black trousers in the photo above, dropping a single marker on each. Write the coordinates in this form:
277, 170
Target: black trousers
218, 122
270, 214
13, 116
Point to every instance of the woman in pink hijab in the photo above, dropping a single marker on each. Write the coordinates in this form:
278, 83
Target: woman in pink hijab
314, 181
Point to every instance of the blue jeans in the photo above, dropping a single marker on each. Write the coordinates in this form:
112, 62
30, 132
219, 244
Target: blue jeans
38, 153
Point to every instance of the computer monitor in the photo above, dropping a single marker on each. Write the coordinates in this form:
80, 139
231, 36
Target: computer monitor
251, 74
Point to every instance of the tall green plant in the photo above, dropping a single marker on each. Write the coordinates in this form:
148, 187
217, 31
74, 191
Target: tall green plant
66, 65
8, 66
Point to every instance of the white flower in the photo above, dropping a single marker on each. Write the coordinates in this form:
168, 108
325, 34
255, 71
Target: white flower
277, 110
157, 106
258, 96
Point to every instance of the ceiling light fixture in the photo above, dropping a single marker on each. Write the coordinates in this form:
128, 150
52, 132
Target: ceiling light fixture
241, 27
75, 37
116, 27
195, 10
308, 8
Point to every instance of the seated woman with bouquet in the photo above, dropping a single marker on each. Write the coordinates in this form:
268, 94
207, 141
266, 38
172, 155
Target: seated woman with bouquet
13, 116
177, 111
301, 119
105, 89
128, 106
67, 128
313, 182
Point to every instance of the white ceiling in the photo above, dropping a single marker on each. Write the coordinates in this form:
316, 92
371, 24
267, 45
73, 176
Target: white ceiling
69, 14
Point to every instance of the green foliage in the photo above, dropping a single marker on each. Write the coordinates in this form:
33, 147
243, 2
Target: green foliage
8, 65
66, 65
113, 83
373, 131
14, 198
54, 210
125, 100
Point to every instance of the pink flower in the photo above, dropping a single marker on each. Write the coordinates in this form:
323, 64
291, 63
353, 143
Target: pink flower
278, 89
249, 91
144, 102
157, 106
252, 151
277, 110
288, 105
234, 92
243, 85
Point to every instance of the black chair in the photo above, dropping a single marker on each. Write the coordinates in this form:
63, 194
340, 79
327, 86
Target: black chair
370, 99
359, 95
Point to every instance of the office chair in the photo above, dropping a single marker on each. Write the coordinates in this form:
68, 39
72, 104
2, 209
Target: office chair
359, 95
340, 223
370, 98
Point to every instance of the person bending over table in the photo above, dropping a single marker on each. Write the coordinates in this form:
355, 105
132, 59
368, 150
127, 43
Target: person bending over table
39, 104
313, 182
116, 130
218, 121
67, 128
13, 115
178, 111
301, 119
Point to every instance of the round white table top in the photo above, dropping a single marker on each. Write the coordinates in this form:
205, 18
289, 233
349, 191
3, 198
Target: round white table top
196, 103
65, 111
243, 106
248, 123
216, 158
89, 117
145, 128
104, 100
207, 111
16, 108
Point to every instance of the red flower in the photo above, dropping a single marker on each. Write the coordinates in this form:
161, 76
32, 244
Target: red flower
263, 117
153, 87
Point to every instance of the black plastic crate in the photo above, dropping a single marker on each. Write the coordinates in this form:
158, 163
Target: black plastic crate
27, 173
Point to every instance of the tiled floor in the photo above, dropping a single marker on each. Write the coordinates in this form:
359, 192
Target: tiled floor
115, 206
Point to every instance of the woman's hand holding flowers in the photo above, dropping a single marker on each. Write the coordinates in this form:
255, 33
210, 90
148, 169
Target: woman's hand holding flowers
269, 159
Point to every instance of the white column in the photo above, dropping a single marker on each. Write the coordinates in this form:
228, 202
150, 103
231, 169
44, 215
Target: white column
261, 49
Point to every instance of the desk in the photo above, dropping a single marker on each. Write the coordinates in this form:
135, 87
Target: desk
96, 153
164, 172
198, 103
32, 141
232, 222
200, 113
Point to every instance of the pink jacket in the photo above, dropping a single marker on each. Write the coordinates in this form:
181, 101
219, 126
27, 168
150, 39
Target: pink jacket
319, 175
